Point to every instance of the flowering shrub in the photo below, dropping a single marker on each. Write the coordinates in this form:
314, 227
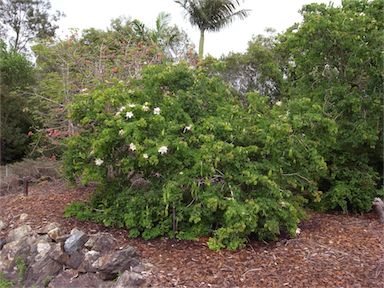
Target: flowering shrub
177, 154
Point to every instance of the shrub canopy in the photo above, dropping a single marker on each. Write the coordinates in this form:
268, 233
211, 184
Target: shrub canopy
177, 154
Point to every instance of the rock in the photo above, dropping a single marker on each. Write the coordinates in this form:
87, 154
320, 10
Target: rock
20, 249
101, 242
23, 217
42, 249
75, 241
89, 258
18, 233
42, 271
3, 225
44, 263
116, 262
378, 206
130, 279
54, 233
72, 260
59, 255
71, 279
75, 259
50, 226
62, 238
2, 243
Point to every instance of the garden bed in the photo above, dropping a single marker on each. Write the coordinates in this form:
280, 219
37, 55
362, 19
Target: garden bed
331, 251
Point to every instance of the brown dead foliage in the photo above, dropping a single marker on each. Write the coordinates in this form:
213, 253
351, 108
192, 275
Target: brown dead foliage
332, 250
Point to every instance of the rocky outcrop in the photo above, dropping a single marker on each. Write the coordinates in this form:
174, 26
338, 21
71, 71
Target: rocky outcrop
101, 242
113, 263
45, 258
378, 206
75, 241
18, 233
3, 225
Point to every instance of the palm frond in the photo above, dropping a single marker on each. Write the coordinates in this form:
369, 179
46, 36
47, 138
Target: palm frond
212, 15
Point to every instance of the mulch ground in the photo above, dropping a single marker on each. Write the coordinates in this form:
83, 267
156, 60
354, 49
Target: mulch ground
333, 250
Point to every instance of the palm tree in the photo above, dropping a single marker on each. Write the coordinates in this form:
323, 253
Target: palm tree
164, 34
211, 15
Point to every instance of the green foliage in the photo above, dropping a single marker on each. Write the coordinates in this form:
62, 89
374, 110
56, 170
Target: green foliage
335, 59
258, 69
47, 280
21, 268
26, 20
211, 15
16, 74
84, 60
177, 154
4, 282
16, 70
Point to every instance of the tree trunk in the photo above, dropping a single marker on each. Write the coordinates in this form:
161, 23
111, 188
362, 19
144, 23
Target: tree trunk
16, 44
201, 45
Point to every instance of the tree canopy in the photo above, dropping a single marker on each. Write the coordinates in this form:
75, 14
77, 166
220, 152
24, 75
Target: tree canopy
25, 20
335, 58
16, 78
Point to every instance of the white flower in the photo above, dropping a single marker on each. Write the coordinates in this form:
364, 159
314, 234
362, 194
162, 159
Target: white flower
117, 113
163, 150
129, 115
145, 156
292, 63
145, 108
132, 147
298, 231
283, 204
121, 109
98, 161
156, 111
187, 128
121, 132
278, 103
131, 105
84, 90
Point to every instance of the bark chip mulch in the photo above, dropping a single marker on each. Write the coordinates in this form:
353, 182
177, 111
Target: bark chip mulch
333, 250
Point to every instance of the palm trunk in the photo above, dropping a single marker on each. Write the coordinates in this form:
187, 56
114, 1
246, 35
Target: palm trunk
201, 45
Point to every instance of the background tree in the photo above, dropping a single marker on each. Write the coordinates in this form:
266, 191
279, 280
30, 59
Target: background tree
258, 69
91, 58
335, 58
16, 74
211, 15
25, 20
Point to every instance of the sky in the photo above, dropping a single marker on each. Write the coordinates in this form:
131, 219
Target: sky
277, 14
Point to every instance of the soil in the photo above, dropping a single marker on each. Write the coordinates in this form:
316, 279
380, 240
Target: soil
332, 250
